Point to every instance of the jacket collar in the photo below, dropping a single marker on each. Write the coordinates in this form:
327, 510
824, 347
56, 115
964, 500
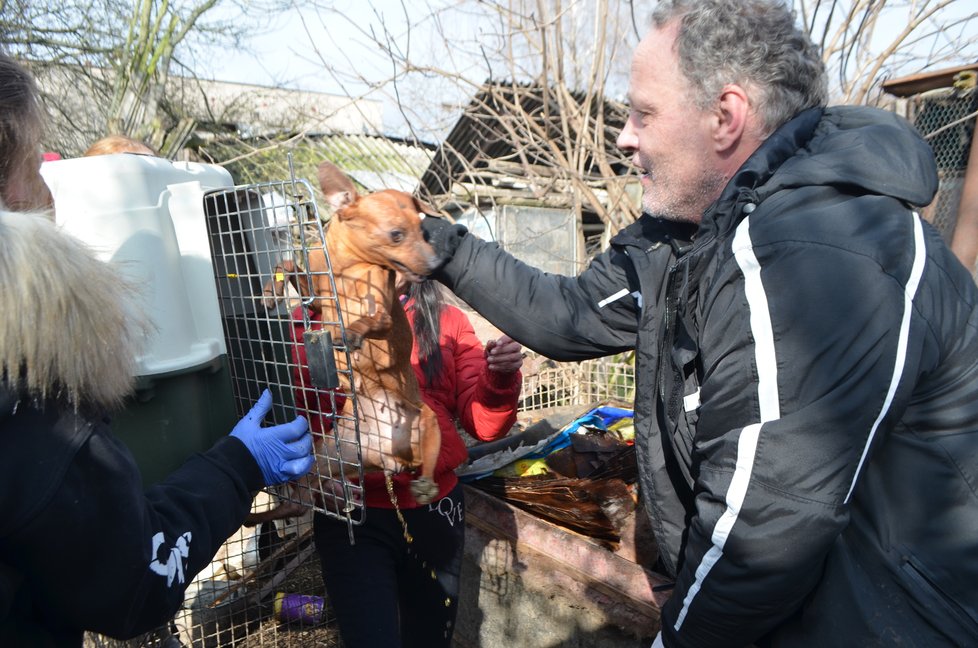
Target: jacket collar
721, 217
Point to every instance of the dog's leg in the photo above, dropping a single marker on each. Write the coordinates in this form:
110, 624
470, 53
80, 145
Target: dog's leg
376, 324
275, 287
367, 327
424, 487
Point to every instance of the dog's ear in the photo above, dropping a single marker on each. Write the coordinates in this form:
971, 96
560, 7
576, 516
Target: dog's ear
337, 187
425, 208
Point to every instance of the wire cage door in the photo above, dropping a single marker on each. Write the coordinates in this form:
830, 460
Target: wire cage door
264, 586
262, 237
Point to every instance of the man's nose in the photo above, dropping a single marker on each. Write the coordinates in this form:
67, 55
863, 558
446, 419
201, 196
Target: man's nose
627, 138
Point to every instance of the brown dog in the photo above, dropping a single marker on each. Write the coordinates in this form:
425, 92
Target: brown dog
369, 239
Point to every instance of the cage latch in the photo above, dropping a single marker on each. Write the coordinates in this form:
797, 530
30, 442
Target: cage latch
319, 356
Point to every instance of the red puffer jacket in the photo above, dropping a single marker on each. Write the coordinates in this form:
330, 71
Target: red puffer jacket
483, 402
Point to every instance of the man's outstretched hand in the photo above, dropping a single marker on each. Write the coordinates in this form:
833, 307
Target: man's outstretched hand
443, 236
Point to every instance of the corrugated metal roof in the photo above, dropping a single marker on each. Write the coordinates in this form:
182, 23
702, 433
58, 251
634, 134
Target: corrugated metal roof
373, 161
377, 162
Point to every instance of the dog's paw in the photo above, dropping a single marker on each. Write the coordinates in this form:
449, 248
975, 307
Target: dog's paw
383, 321
354, 341
424, 490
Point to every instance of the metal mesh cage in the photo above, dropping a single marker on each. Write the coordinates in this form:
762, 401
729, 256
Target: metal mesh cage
256, 231
264, 586
946, 118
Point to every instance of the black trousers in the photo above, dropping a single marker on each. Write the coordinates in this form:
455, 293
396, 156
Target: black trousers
387, 592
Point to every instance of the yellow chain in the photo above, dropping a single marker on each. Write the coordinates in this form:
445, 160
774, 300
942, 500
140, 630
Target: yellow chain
397, 510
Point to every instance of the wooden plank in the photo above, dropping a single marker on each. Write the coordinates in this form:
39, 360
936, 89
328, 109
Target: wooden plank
527, 562
917, 83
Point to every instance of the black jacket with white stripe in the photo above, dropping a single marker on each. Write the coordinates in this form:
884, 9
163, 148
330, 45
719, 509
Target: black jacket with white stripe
807, 390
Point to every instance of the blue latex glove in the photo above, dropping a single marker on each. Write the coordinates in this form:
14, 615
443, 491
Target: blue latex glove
283, 452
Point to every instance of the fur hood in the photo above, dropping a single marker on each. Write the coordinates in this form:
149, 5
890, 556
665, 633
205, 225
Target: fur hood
69, 328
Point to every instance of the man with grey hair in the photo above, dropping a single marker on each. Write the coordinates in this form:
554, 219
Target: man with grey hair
806, 346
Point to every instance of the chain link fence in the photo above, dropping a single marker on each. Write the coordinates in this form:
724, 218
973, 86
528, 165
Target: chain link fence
946, 118
548, 384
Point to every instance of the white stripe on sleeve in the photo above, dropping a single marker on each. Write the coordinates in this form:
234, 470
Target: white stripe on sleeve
611, 298
909, 292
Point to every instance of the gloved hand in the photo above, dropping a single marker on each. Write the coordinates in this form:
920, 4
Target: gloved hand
443, 236
283, 452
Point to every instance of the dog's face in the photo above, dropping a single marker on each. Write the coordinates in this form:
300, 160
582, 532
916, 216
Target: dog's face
387, 224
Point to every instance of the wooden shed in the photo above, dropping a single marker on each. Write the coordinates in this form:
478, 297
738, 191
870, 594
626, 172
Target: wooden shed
536, 168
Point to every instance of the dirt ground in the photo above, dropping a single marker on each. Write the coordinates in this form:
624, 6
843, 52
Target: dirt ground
306, 579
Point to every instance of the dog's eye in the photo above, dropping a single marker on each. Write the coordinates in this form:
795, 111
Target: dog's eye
397, 236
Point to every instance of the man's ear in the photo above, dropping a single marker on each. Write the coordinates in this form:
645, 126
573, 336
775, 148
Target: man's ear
732, 119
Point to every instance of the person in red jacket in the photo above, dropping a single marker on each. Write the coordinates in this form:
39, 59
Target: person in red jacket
387, 590
384, 589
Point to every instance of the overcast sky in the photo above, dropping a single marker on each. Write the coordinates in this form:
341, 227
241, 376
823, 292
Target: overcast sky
291, 51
